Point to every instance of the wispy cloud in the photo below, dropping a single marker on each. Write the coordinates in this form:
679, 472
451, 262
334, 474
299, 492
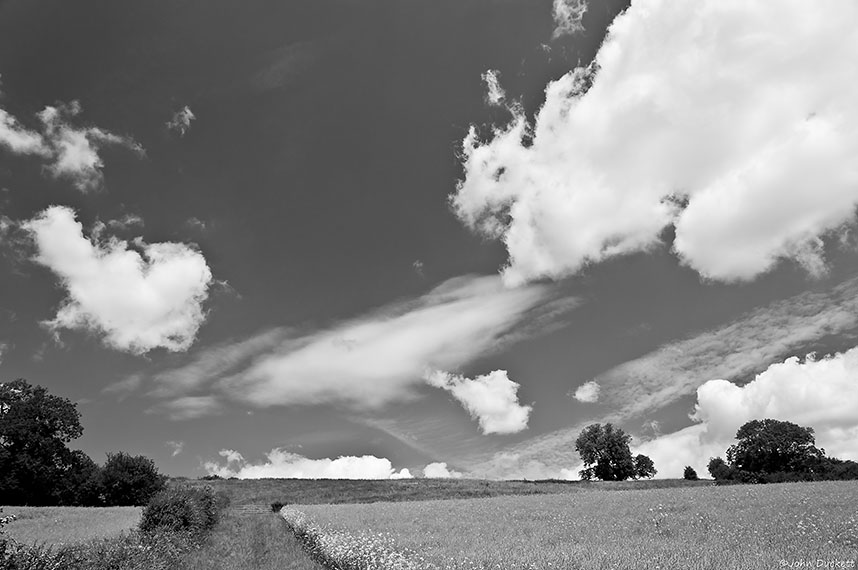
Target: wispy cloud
687, 118
567, 16
181, 121
175, 446
136, 301
373, 359
188, 407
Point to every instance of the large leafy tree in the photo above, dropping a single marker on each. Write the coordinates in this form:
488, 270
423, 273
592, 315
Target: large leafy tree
774, 446
606, 454
130, 480
35, 427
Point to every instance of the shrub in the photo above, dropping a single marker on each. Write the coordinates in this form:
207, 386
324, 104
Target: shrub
129, 481
690, 474
183, 508
276, 506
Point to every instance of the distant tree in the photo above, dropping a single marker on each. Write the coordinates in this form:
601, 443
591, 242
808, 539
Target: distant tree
605, 453
644, 467
35, 427
80, 483
773, 446
690, 474
718, 469
129, 480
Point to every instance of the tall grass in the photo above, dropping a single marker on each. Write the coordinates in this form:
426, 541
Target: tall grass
742, 527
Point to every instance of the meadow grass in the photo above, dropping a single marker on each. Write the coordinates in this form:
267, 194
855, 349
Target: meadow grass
734, 527
255, 542
325, 491
69, 525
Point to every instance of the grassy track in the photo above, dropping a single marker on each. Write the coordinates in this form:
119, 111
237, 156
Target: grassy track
250, 542
69, 525
739, 527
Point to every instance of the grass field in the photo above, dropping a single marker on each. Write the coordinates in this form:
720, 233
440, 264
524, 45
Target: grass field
69, 525
324, 491
736, 527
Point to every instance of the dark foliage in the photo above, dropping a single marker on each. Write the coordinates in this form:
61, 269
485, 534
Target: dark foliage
773, 451
130, 480
276, 506
183, 509
644, 467
35, 427
605, 453
690, 474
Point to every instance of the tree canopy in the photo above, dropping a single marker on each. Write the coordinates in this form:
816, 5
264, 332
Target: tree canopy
35, 427
606, 455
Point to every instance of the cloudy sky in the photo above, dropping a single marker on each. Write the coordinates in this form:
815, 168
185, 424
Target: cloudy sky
393, 238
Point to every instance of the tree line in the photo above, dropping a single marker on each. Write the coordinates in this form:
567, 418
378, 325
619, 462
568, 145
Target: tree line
767, 451
38, 468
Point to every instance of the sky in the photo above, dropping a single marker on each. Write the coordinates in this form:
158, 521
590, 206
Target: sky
407, 238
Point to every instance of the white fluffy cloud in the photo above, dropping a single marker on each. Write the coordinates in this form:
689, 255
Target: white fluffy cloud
137, 301
491, 399
495, 95
588, 392
381, 357
440, 471
822, 394
734, 121
282, 464
568, 15
181, 121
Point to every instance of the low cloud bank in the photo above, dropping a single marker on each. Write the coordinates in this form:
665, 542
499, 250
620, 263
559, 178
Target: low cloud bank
283, 464
440, 471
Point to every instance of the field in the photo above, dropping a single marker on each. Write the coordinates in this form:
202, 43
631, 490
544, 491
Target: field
69, 525
736, 527
324, 491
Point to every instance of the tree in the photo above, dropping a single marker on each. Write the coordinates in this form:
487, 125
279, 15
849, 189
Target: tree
644, 467
690, 474
130, 481
773, 446
35, 427
605, 453
719, 469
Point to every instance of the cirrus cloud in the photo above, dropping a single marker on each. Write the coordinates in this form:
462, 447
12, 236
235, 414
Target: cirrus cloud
714, 117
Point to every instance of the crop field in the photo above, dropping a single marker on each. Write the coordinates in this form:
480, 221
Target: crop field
69, 525
737, 527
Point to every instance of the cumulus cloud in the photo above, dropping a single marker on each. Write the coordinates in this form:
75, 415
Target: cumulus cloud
175, 446
491, 399
440, 471
819, 393
689, 116
282, 464
75, 151
374, 359
136, 300
567, 16
181, 121
588, 392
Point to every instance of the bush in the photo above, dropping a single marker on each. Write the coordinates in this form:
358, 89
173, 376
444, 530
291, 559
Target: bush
183, 509
276, 506
129, 481
690, 474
